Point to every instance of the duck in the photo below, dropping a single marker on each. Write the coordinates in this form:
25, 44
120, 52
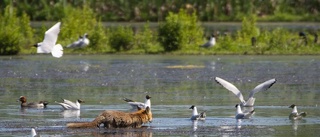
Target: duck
69, 105
24, 104
210, 43
33, 132
241, 115
83, 41
48, 45
195, 115
135, 104
250, 101
294, 115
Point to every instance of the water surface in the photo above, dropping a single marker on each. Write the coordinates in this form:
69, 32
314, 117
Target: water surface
174, 83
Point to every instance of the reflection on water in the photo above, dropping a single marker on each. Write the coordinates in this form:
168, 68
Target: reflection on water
194, 125
70, 113
104, 80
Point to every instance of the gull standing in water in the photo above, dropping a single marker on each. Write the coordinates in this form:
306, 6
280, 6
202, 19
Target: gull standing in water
294, 115
33, 132
48, 45
250, 102
241, 115
69, 105
83, 41
135, 104
195, 115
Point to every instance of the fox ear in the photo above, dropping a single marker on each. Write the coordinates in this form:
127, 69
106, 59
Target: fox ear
139, 108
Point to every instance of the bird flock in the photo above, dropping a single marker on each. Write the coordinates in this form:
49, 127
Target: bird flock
48, 45
195, 116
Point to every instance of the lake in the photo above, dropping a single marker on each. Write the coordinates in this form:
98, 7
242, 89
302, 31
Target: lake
174, 83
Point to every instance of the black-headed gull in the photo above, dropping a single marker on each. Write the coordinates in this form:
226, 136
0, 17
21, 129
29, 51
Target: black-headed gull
83, 41
135, 104
69, 105
195, 115
294, 115
250, 102
24, 104
242, 115
33, 132
48, 45
210, 43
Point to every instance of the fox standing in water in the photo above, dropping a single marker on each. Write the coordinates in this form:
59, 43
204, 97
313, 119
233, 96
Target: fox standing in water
117, 119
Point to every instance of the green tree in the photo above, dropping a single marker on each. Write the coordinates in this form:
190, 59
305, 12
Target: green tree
15, 32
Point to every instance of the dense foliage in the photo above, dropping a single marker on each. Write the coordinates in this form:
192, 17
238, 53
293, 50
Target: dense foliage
179, 33
157, 10
16, 33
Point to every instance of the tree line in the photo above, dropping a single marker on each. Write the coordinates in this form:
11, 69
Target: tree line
157, 10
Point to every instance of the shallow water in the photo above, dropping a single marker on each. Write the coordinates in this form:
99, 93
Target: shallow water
174, 83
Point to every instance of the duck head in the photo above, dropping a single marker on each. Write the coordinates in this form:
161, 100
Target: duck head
22, 99
192, 107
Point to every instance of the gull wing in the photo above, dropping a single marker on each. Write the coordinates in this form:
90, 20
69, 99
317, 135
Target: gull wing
65, 106
262, 87
71, 104
50, 38
230, 87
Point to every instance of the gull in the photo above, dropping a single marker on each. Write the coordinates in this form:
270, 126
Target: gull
48, 45
195, 115
294, 115
210, 43
250, 102
69, 105
83, 41
135, 104
241, 115
33, 132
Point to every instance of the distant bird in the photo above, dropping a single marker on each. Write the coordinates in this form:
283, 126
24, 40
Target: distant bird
83, 41
135, 104
210, 43
250, 102
24, 104
33, 132
241, 115
303, 36
253, 41
195, 115
48, 45
69, 105
294, 115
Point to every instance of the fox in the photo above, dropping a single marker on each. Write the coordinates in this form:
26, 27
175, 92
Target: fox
117, 119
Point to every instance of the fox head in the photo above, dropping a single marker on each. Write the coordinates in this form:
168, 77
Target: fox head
146, 114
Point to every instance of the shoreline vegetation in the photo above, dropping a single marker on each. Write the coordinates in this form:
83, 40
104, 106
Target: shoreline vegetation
181, 32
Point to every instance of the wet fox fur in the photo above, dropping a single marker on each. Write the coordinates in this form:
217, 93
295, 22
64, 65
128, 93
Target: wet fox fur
117, 119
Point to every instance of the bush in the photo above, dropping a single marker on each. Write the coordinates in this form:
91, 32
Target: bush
15, 31
121, 38
180, 31
146, 40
